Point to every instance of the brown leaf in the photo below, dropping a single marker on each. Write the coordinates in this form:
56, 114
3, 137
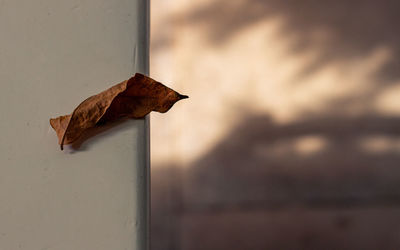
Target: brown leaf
133, 98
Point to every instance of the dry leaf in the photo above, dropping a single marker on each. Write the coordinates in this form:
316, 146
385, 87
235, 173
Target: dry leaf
133, 98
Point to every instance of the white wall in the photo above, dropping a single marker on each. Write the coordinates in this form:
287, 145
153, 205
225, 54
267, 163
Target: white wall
54, 54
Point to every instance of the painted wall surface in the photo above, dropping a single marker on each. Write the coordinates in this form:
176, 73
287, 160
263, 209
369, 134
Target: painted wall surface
54, 54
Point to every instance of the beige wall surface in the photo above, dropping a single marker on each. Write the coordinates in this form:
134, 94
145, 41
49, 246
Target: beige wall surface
54, 54
291, 136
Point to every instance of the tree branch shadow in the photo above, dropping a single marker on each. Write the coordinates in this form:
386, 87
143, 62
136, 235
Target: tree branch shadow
258, 169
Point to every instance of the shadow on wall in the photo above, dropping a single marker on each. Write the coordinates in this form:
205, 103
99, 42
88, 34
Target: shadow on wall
321, 183
319, 161
325, 181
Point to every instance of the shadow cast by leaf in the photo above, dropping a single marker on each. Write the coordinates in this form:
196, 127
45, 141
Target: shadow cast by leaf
100, 132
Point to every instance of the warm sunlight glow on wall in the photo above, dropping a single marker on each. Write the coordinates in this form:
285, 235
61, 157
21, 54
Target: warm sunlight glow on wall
308, 145
380, 144
254, 70
388, 102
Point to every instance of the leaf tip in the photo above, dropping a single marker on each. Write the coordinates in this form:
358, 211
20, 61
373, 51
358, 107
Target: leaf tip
182, 97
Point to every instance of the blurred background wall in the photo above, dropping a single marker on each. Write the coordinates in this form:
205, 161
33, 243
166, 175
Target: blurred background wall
291, 136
